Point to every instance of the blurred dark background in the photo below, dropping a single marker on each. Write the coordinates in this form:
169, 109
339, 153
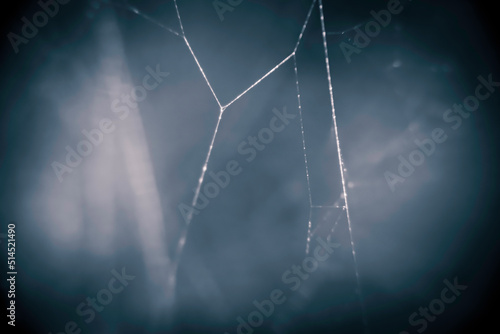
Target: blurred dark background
439, 224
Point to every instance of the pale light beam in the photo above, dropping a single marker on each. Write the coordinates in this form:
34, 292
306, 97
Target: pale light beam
139, 173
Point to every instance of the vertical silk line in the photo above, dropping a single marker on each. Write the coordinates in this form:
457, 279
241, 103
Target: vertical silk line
309, 225
341, 165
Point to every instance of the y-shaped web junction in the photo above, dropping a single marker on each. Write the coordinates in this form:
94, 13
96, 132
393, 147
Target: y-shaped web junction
222, 108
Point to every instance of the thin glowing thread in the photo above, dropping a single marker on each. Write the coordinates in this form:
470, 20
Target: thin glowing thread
258, 81
334, 225
304, 26
147, 17
179, 18
205, 167
341, 165
222, 108
203, 73
309, 224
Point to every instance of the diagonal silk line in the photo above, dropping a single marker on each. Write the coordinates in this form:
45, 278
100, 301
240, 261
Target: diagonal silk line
202, 72
146, 17
283, 61
183, 236
205, 167
179, 18
194, 56
258, 81
341, 165
332, 230
150, 19
184, 231
304, 26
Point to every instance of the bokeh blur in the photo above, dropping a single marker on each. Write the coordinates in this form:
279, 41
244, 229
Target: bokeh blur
110, 111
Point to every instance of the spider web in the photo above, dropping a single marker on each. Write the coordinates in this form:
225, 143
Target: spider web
341, 203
